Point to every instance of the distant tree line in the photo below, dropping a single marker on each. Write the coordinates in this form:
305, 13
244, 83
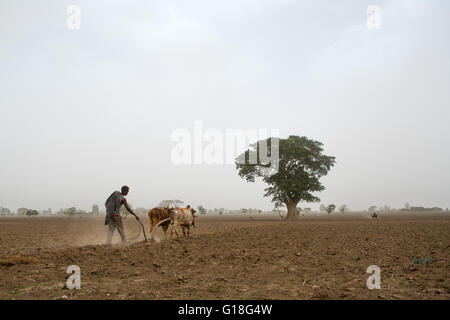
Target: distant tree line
141, 211
72, 211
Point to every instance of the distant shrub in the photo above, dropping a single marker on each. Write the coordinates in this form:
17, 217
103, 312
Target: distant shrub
32, 213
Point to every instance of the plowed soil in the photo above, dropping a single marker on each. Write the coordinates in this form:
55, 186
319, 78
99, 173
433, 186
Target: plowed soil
230, 258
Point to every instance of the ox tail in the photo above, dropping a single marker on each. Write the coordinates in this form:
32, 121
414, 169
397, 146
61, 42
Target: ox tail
156, 227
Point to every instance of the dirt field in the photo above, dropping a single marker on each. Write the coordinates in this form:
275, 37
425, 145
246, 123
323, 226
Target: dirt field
230, 258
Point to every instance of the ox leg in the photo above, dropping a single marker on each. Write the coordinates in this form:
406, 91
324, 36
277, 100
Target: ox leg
165, 230
152, 224
174, 228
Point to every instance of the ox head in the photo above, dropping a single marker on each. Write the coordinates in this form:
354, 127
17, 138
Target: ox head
193, 216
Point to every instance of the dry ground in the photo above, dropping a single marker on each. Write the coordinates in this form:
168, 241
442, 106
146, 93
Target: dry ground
230, 258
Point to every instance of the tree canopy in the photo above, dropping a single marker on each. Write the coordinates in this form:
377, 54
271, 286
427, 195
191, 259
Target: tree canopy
294, 176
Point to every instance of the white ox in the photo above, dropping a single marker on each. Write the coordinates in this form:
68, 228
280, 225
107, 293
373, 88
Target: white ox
184, 218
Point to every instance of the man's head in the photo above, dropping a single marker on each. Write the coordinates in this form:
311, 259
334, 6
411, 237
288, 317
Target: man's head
125, 190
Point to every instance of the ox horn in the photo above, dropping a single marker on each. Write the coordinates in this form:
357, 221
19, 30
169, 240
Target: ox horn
156, 227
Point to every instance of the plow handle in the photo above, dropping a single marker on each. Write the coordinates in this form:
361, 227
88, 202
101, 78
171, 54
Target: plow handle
143, 230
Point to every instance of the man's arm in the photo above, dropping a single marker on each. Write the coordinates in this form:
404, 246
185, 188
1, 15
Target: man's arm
125, 203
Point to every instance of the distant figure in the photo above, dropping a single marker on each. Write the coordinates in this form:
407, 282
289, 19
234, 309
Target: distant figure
113, 219
374, 215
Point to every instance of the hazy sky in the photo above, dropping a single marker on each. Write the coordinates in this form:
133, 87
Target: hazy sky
85, 111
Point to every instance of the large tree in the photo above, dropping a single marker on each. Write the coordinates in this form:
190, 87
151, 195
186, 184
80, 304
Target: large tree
300, 166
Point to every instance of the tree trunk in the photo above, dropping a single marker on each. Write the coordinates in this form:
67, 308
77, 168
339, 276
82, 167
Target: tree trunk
291, 210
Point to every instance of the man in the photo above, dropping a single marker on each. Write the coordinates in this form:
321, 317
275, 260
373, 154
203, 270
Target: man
113, 219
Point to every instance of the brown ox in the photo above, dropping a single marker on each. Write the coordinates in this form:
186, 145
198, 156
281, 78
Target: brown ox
159, 214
